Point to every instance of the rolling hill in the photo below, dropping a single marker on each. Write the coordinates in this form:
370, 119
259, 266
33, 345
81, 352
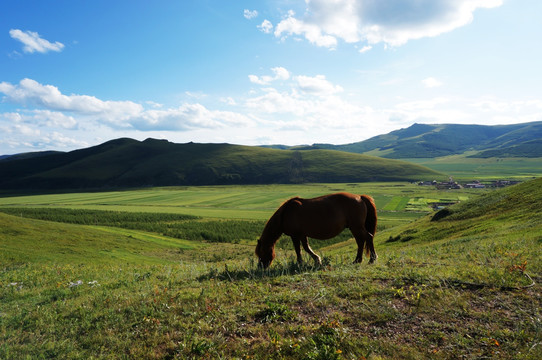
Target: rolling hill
430, 141
513, 212
124, 163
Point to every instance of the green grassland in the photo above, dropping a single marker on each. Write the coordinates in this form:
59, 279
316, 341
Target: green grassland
462, 167
460, 283
255, 202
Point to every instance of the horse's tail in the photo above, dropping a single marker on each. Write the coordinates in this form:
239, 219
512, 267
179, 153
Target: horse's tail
370, 222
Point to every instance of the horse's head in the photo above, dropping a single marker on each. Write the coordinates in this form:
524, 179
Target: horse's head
265, 254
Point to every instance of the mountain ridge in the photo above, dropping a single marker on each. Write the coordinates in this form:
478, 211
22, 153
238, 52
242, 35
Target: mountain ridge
437, 140
128, 163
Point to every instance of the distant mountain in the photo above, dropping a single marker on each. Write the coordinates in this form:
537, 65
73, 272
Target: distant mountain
430, 141
28, 155
124, 163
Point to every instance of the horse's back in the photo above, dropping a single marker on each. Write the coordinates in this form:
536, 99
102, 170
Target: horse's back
323, 217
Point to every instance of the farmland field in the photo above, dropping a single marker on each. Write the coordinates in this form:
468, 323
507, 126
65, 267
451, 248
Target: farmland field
462, 167
232, 214
253, 202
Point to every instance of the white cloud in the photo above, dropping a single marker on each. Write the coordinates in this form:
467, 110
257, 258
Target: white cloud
41, 118
308, 103
274, 101
31, 131
250, 14
266, 26
365, 49
228, 100
198, 95
11, 117
57, 109
385, 21
313, 33
431, 82
317, 85
154, 104
54, 119
34, 43
513, 108
187, 116
59, 140
279, 73
30, 92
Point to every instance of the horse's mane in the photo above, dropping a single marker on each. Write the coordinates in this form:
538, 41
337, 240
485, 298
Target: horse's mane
273, 227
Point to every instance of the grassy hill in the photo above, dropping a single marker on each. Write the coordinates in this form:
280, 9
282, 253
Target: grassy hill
28, 241
430, 141
130, 163
460, 283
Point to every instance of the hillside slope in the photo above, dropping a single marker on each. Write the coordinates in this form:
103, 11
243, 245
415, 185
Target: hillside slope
512, 214
131, 163
24, 240
429, 141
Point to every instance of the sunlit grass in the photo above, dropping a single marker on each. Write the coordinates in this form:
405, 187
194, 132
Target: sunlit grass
457, 287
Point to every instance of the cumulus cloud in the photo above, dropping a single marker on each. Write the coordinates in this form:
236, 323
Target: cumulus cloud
308, 103
45, 118
273, 101
250, 14
279, 73
54, 119
31, 92
312, 32
391, 22
58, 139
317, 85
33, 42
266, 26
61, 110
186, 117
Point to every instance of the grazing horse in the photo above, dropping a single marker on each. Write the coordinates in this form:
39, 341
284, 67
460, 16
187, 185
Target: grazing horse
320, 218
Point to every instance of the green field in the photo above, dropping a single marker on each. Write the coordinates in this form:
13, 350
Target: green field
93, 275
256, 202
463, 168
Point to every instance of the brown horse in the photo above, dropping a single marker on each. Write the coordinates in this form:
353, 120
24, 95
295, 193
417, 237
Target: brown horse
320, 218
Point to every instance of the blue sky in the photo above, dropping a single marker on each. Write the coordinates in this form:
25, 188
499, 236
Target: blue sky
77, 73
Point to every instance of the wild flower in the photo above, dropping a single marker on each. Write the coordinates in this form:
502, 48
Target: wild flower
19, 285
77, 283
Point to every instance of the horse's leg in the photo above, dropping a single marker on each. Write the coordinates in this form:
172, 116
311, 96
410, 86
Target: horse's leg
371, 246
360, 240
297, 246
308, 249
364, 240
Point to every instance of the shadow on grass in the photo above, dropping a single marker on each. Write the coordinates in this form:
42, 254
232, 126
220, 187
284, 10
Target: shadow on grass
252, 271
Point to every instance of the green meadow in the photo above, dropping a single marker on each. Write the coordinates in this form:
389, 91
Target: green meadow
169, 273
465, 168
255, 202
